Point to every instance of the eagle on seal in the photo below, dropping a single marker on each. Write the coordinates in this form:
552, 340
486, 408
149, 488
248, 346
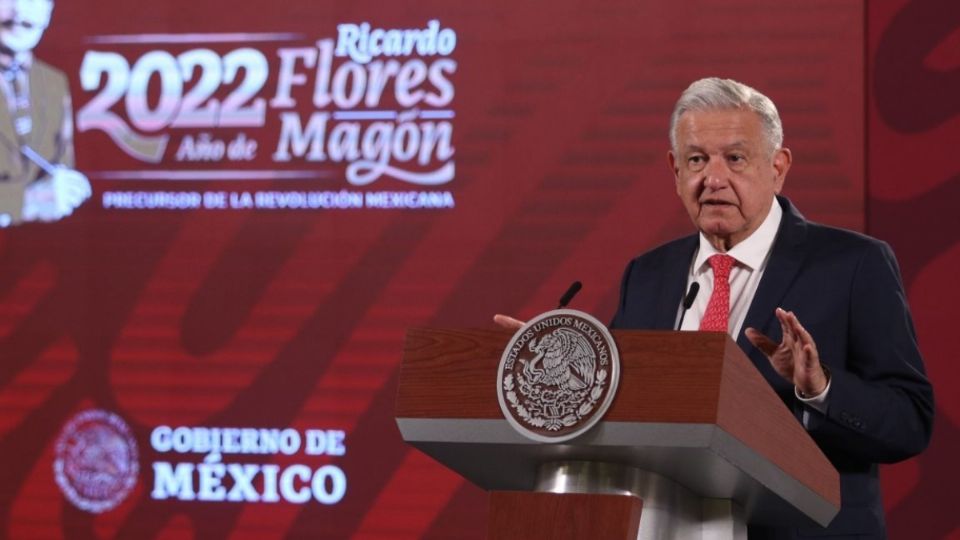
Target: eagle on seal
567, 357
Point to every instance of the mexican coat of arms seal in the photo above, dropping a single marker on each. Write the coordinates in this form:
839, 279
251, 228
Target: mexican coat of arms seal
558, 375
96, 463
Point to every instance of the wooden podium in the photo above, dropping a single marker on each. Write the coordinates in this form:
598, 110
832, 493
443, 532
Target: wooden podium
695, 432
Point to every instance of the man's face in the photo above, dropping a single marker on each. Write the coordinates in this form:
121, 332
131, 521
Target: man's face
22, 23
726, 173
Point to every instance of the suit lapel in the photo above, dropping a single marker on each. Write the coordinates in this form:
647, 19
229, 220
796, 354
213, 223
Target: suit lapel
676, 270
8, 134
39, 102
9, 140
785, 261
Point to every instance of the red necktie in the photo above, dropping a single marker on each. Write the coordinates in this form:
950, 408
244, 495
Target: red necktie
716, 317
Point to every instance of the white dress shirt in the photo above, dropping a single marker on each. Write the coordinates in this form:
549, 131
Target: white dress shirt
751, 256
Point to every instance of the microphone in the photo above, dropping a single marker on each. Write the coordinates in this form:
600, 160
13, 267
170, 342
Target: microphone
688, 301
571, 292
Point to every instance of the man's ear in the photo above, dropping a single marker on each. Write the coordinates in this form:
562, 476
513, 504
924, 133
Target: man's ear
782, 159
675, 169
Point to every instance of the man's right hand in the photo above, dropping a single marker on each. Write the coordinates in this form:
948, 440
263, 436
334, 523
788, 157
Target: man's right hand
56, 196
508, 322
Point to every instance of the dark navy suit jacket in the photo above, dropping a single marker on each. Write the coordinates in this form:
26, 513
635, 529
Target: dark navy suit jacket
845, 289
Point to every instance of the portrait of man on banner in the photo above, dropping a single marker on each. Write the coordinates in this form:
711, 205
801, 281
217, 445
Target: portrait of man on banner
38, 181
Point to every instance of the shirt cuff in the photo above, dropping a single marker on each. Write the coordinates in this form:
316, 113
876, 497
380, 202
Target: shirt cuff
818, 402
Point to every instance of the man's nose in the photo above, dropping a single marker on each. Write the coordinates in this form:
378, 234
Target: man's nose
715, 174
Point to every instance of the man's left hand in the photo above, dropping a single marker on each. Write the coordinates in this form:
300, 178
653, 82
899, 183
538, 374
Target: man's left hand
795, 358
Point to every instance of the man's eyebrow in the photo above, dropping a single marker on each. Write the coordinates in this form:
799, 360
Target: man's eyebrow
736, 145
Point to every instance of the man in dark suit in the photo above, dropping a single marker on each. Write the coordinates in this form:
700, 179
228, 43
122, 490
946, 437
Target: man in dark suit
820, 311
37, 178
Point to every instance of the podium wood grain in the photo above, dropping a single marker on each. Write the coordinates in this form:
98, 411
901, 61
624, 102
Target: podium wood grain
667, 379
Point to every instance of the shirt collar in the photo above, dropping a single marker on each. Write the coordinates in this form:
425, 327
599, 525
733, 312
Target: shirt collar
753, 250
24, 61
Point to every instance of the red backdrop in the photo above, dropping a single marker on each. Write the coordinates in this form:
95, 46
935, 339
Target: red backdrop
914, 65
292, 319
